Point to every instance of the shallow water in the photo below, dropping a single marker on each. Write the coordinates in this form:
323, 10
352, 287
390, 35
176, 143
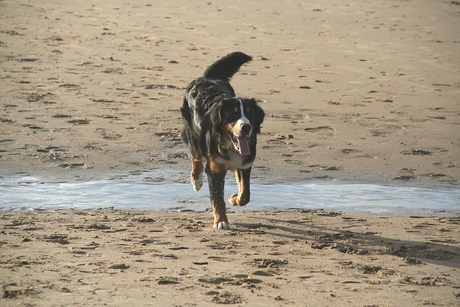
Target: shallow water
150, 191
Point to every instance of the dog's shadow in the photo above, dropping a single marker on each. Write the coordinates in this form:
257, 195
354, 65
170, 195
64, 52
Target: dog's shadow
351, 242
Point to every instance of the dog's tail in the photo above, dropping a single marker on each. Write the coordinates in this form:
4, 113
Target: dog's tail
226, 67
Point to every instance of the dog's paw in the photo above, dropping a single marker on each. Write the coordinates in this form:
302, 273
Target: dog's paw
233, 199
198, 184
222, 225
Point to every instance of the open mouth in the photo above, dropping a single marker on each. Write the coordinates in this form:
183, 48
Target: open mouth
241, 144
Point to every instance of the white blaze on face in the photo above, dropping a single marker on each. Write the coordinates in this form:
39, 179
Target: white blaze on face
243, 120
240, 139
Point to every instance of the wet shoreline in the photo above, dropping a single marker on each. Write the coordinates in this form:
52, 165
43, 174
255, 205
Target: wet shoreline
160, 190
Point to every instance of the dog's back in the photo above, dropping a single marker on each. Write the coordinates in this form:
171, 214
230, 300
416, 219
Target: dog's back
214, 86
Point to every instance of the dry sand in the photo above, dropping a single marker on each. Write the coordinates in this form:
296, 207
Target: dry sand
356, 91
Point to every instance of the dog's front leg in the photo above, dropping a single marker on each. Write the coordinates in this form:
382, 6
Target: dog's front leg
216, 182
242, 178
197, 170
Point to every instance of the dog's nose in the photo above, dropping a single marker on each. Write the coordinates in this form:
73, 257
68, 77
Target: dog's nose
246, 129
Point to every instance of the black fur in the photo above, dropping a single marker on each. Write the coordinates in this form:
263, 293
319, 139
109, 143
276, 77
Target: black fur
212, 138
210, 104
205, 101
226, 67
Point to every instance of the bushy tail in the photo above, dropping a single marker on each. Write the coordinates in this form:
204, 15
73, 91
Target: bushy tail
226, 67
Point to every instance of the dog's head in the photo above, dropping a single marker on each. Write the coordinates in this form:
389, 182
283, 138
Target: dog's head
236, 120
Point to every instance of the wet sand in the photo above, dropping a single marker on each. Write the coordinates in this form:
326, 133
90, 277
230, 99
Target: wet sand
357, 92
119, 258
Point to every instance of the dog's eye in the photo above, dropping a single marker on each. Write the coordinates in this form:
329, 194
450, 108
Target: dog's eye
248, 113
233, 114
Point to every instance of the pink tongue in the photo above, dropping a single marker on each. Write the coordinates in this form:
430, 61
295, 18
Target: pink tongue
243, 145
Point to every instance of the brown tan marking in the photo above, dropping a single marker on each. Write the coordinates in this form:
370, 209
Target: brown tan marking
234, 129
215, 166
242, 198
197, 168
219, 214
226, 129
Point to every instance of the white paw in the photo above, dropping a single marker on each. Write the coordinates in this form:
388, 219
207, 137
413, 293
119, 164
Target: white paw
197, 184
222, 225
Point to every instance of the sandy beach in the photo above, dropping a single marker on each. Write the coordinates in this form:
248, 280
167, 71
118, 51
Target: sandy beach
120, 258
355, 92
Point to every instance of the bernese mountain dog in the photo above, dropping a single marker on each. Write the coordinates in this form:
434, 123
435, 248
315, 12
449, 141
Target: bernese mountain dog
222, 128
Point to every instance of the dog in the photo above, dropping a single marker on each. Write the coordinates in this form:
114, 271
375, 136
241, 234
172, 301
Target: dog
221, 128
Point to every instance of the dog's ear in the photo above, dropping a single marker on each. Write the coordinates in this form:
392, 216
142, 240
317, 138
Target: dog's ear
259, 116
216, 117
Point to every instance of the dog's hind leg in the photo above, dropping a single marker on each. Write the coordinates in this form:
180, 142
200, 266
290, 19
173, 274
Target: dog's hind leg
242, 178
197, 165
197, 172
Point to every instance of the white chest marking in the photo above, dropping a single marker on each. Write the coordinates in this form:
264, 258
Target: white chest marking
235, 162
